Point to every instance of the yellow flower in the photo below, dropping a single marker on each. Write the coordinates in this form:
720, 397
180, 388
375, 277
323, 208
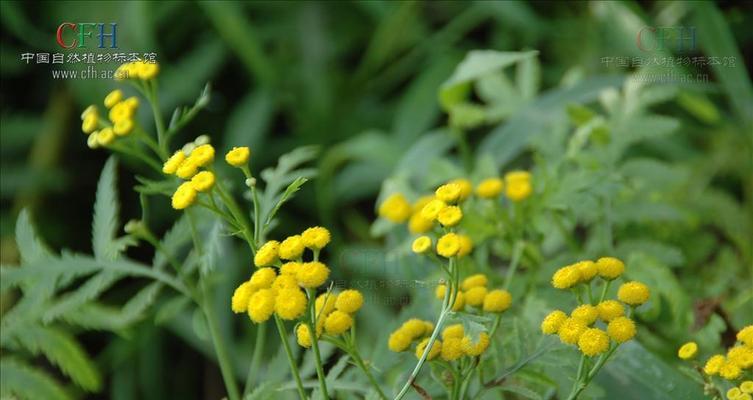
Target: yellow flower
466, 245
518, 185
419, 204
291, 248
449, 193
475, 349
497, 301
610, 267
741, 356
284, 282
593, 341
745, 335
610, 309
202, 155
184, 196
325, 304
552, 322
571, 329
349, 301
489, 188
238, 156
241, 297
687, 351
419, 224
187, 169
91, 141
452, 349
303, 335
431, 209
475, 296
132, 103
730, 371
120, 111
453, 331
633, 293
267, 254
399, 341
734, 393
450, 216
105, 136
428, 327
315, 237
586, 312
459, 302
172, 163
566, 277
436, 349
338, 322
92, 109
396, 208
290, 303
262, 278
714, 364
261, 305
621, 329
421, 244
474, 280
113, 98
448, 245
747, 387
123, 127
124, 71
440, 291
312, 274
414, 328
147, 70
203, 181
465, 187
290, 268
587, 269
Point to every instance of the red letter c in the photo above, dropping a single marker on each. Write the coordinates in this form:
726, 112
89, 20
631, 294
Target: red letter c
60, 34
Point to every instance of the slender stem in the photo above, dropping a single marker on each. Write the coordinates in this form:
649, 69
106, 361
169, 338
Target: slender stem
315, 345
604, 290
293, 366
257, 213
517, 252
578, 385
261, 335
141, 156
588, 293
158, 121
235, 211
141, 134
219, 347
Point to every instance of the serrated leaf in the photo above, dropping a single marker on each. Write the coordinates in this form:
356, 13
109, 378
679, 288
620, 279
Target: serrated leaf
133, 310
20, 379
338, 368
31, 247
173, 240
93, 287
170, 309
262, 392
106, 209
212, 248
522, 391
287, 195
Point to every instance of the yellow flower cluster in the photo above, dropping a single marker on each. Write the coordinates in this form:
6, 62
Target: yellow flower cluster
579, 327
186, 166
474, 293
516, 185
103, 132
266, 293
738, 359
453, 345
742, 392
334, 315
687, 351
137, 70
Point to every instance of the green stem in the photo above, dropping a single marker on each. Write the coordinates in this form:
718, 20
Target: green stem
235, 211
141, 156
315, 345
219, 347
141, 134
359, 362
578, 385
158, 121
604, 290
288, 352
261, 335
517, 252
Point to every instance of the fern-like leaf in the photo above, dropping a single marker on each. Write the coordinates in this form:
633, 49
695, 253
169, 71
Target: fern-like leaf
30, 246
21, 380
106, 208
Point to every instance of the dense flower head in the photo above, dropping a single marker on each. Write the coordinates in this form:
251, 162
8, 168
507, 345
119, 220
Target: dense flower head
553, 321
436, 349
450, 216
452, 349
742, 356
714, 364
414, 328
730, 371
459, 301
453, 331
419, 204
419, 224
621, 329
202, 155
113, 98
290, 268
432, 209
489, 188
466, 245
421, 244
184, 196
633, 293
610, 267
241, 296
497, 300
90, 122
303, 335
263, 278
123, 110
610, 309
290, 303
475, 348
746, 387
518, 185
587, 269
267, 254
593, 341
465, 187
440, 291
571, 329
312, 274
145, 70
449, 193
474, 280
261, 305
399, 341
349, 301
203, 181
187, 169
105, 136
291, 248
316, 237
338, 322
395, 208
474, 296
238, 156
325, 304
123, 127
91, 141
687, 350
745, 335
734, 393
448, 245
585, 312
284, 282
566, 277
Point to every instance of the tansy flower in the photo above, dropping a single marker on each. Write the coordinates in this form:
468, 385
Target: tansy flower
610, 309
105, 136
338, 322
474, 280
741, 356
349, 301
312, 274
587, 269
747, 387
203, 181
132, 103
172, 163
465, 188
238, 156
123, 127
419, 204
730, 371
267, 254
745, 335
497, 301
202, 155
285, 282
123, 72
714, 364
518, 185
450, 216
452, 349
263, 278
734, 393
633, 293
113, 98
475, 296
475, 349
453, 331
303, 335
436, 349
552, 322
489, 188
88, 110
315, 237
396, 208
571, 329
448, 245
421, 244
325, 304
399, 341
261, 305
291, 248
120, 111
290, 268
466, 245
187, 169
290, 303
440, 291
585, 312
593, 342
687, 351
419, 224
91, 141
610, 267
147, 70
449, 193
184, 196
621, 329
566, 277
459, 302
431, 209
242, 294
414, 327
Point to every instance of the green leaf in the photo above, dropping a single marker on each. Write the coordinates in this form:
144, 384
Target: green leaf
174, 239
30, 246
93, 287
522, 391
106, 208
212, 248
134, 309
20, 379
287, 195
